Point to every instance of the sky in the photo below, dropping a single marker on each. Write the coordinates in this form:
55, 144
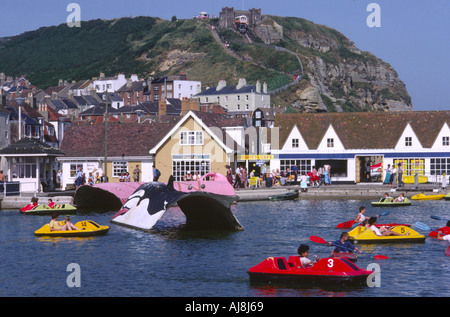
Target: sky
413, 36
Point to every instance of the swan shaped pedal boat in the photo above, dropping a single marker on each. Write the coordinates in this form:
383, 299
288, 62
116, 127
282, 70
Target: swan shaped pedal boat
88, 228
366, 235
327, 271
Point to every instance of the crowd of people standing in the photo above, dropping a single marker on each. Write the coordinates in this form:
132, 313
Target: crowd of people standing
240, 178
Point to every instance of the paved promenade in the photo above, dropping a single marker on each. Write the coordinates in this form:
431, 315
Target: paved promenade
335, 191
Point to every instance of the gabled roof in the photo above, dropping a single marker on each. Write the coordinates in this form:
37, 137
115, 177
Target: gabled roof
363, 130
207, 121
123, 138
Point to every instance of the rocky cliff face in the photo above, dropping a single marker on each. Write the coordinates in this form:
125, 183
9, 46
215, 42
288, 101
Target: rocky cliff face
340, 76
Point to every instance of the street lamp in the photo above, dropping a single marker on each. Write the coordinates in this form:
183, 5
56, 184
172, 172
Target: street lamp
20, 101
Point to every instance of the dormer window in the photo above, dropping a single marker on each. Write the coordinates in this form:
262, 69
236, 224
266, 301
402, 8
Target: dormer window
408, 141
330, 142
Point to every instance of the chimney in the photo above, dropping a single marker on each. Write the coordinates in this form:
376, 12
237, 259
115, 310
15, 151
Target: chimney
221, 85
258, 87
265, 88
162, 107
60, 82
194, 104
185, 106
242, 82
102, 75
134, 77
129, 82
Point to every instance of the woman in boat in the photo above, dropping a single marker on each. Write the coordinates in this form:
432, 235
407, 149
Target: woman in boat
344, 245
56, 226
383, 231
360, 217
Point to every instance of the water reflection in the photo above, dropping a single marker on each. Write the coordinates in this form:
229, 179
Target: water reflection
173, 260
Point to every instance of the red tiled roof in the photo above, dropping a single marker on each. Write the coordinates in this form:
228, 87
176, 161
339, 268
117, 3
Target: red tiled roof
363, 130
128, 139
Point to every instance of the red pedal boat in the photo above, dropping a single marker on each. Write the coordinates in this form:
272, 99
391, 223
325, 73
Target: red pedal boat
444, 230
327, 271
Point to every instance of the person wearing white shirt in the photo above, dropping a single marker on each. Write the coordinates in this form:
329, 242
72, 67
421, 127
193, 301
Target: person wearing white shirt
383, 231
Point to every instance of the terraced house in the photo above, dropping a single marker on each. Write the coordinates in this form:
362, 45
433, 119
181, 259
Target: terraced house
420, 140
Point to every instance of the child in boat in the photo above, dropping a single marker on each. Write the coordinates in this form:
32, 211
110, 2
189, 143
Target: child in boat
344, 245
383, 231
56, 226
303, 251
51, 204
400, 198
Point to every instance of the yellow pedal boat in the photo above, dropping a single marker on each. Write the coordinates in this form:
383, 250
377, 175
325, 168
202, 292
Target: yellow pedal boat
365, 235
421, 196
88, 228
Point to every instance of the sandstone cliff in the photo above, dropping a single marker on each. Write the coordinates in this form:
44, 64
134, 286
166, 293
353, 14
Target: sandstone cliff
340, 76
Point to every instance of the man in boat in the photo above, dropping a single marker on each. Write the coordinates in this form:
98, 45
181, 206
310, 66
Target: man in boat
56, 226
343, 244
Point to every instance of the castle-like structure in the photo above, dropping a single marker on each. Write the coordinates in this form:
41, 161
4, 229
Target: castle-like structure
227, 16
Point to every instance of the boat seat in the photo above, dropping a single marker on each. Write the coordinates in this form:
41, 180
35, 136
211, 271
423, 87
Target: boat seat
294, 261
281, 263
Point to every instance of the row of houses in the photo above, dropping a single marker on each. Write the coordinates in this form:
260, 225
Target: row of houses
201, 134
207, 142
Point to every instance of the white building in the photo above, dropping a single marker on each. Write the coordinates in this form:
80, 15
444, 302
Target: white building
111, 84
420, 140
238, 98
185, 88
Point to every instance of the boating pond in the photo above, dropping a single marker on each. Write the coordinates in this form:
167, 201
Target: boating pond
175, 262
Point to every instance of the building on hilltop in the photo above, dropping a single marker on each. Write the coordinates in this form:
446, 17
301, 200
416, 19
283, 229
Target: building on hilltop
228, 15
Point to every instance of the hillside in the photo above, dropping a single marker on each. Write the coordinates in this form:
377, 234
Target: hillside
337, 76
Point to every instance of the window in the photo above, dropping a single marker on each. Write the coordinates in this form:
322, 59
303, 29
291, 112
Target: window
330, 142
412, 166
191, 138
439, 166
408, 141
119, 167
73, 169
23, 167
182, 163
304, 166
445, 141
295, 143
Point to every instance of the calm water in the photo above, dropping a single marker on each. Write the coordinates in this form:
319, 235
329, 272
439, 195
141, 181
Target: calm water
175, 262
